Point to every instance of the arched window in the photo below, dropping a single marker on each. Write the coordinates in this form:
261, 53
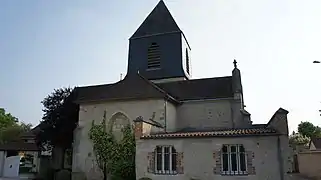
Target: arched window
233, 159
153, 57
116, 123
165, 159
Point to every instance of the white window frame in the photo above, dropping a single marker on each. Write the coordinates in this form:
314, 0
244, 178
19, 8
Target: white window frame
229, 155
163, 171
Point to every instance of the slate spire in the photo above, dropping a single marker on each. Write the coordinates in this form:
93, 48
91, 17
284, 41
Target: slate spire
159, 21
158, 49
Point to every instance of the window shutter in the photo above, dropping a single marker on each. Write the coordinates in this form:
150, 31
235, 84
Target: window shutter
179, 163
151, 162
250, 166
218, 163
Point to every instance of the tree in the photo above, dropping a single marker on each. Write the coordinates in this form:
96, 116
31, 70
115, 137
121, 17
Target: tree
116, 158
297, 139
13, 132
10, 128
59, 119
6, 119
309, 130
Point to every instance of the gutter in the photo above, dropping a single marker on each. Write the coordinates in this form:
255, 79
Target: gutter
280, 159
210, 99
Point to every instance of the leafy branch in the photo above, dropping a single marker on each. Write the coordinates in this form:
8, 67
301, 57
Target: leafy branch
115, 158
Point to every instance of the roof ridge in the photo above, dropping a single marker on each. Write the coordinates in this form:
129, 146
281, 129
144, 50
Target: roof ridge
215, 133
199, 79
100, 85
158, 88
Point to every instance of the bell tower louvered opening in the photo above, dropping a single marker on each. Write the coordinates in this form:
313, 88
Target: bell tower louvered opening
157, 48
154, 57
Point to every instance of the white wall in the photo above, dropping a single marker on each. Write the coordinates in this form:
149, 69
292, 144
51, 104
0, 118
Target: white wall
2, 158
198, 158
171, 117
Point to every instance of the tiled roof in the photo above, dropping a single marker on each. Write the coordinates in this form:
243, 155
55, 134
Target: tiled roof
132, 87
195, 89
23, 146
218, 133
137, 87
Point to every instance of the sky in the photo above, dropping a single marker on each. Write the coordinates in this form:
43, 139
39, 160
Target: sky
51, 44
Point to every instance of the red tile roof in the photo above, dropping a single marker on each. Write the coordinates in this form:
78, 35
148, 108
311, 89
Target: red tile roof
218, 133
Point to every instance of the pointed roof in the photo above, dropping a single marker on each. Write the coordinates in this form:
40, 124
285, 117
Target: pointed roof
158, 21
316, 142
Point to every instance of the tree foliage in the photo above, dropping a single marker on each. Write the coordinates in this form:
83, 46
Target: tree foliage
117, 157
309, 130
59, 119
10, 127
297, 139
6, 119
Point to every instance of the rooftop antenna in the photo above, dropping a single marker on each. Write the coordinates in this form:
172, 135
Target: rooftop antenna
121, 76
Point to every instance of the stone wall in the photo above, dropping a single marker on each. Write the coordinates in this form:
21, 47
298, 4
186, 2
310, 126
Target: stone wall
200, 158
310, 163
205, 114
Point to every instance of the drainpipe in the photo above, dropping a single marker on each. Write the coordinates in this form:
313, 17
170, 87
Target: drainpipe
165, 116
280, 159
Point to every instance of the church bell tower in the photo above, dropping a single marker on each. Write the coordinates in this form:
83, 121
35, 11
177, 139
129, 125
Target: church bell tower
158, 49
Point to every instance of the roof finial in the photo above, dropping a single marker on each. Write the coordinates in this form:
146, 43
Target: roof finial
235, 63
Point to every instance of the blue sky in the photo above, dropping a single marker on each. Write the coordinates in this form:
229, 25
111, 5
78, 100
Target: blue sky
51, 44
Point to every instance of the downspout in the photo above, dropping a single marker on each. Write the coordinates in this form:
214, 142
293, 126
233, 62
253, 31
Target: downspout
232, 113
280, 159
165, 114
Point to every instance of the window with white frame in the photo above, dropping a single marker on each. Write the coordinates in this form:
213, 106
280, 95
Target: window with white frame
233, 160
165, 160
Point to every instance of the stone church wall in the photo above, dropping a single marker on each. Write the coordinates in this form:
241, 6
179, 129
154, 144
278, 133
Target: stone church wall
206, 114
117, 113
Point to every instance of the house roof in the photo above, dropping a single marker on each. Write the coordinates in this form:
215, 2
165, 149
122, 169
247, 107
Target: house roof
137, 87
19, 145
316, 142
217, 133
33, 132
158, 21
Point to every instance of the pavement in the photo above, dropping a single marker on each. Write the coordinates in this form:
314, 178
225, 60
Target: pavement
301, 177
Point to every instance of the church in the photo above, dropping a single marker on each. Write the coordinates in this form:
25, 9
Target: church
184, 128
